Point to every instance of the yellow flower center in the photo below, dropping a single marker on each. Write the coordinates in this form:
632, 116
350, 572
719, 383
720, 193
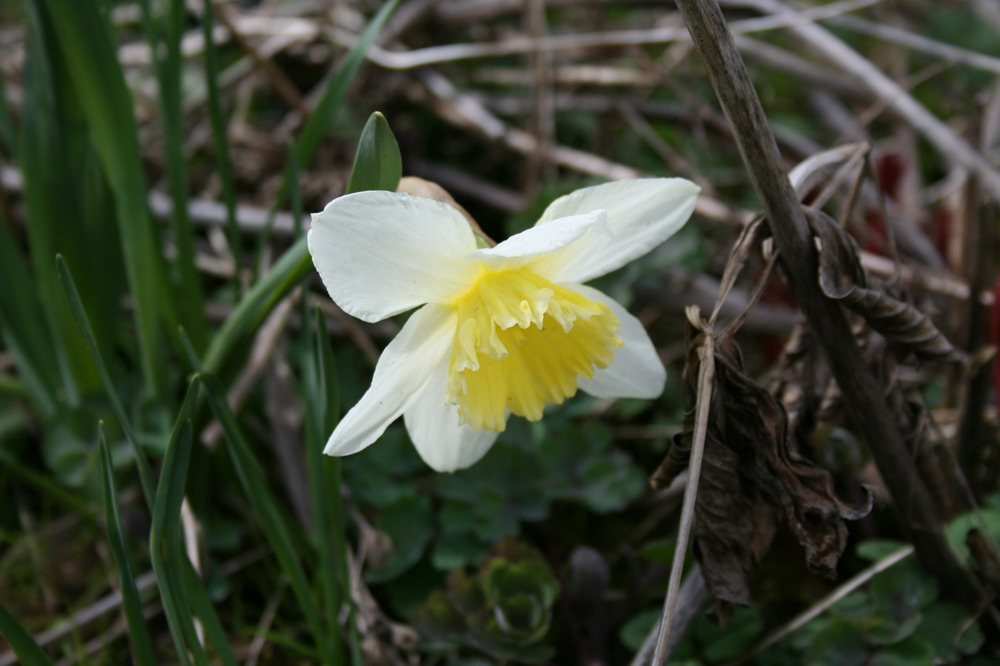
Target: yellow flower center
523, 342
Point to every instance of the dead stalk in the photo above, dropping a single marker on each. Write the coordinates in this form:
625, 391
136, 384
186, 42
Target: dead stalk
706, 373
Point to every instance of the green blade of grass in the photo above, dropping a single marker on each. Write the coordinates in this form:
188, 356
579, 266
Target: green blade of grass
11, 386
83, 324
323, 116
378, 159
294, 191
142, 646
47, 487
183, 591
89, 53
322, 412
21, 642
255, 305
273, 522
53, 149
201, 605
8, 134
165, 539
167, 29
23, 325
325, 113
220, 142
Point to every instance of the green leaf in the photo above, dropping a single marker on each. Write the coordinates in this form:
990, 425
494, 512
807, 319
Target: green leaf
885, 629
163, 34
633, 633
840, 644
333, 97
914, 651
53, 153
139, 640
325, 482
739, 635
578, 463
255, 305
8, 133
88, 51
267, 512
950, 629
201, 605
21, 642
454, 550
220, 140
377, 164
165, 539
23, 326
879, 549
959, 528
86, 332
904, 590
409, 524
83, 324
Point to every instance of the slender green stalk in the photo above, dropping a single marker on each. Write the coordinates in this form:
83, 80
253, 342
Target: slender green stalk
326, 110
142, 646
83, 323
267, 511
220, 141
8, 133
325, 113
255, 305
52, 152
23, 328
11, 386
47, 487
21, 642
323, 474
165, 539
202, 607
167, 30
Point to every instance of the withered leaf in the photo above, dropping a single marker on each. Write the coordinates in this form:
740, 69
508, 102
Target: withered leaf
884, 307
751, 461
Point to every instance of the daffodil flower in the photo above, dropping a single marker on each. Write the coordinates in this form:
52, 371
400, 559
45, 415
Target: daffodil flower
500, 330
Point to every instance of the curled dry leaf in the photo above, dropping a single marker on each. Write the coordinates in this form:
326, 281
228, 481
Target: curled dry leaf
884, 307
753, 476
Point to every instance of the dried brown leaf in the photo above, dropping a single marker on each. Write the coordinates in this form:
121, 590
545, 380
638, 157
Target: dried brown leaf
751, 464
884, 307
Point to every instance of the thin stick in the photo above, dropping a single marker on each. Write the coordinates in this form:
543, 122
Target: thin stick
826, 602
706, 374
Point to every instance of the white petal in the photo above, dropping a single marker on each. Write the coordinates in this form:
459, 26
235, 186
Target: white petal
540, 240
434, 429
403, 371
637, 371
381, 253
642, 213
